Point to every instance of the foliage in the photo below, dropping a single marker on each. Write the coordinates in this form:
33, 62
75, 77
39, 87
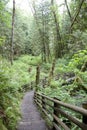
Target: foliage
13, 80
65, 69
45, 35
9, 99
78, 59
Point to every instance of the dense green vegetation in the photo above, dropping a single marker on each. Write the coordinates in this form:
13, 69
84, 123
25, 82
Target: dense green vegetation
14, 81
46, 39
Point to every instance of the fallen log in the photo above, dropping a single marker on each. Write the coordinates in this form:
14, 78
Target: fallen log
69, 81
78, 81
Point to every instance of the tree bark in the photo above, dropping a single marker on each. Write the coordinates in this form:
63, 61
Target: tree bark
37, 76
58, 47
77, 13
41, 33
68, 10
12, 37
51, 74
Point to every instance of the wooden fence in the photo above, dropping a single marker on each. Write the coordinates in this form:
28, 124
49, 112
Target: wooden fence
60, 114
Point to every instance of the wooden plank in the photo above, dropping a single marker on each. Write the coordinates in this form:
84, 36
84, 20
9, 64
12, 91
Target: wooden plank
84, 105
73, 119
61, 123
72, 107
46, 114
48, 104
39, 101
50, 112
38, 104
56, 126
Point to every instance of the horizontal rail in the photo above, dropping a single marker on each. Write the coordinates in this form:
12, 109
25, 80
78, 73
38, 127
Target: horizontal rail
53, 108
60, 122
55, 126
72, 107
73, 119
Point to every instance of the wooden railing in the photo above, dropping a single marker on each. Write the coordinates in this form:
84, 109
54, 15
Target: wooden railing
60, 114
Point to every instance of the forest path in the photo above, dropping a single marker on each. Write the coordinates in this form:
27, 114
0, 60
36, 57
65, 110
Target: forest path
31, 118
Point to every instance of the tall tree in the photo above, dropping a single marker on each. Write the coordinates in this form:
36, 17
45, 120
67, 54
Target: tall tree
76, 26
58, 44
5, 25
77, 13
68, 10
12, 37
41, 16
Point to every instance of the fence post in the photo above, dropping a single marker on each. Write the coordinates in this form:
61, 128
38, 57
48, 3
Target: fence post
51, 72
34, 95
43, 102
56, 105
84, 105
37, 76
31, 86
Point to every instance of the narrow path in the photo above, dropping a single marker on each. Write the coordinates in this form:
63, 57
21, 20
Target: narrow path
31, 118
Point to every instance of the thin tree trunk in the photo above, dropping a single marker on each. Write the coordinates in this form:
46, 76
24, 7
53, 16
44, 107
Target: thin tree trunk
69, 15
12, 37
48, 52
58, 47
43, 39
51, 74
77, 13
56, 21
68, 10
40, 33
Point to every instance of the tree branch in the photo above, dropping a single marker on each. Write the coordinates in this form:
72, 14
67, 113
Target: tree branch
68, 10
77, 13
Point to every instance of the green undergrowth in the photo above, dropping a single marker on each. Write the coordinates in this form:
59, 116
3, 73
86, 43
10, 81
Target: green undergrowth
74, 93
14, 81
65, 68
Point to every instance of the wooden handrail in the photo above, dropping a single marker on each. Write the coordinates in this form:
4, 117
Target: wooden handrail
58, 108
72, 107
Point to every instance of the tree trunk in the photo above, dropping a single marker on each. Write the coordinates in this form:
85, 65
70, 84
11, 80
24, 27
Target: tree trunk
58, 46
51, 74
41, 32
43, 39
12, 37
77, 13
68, 10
